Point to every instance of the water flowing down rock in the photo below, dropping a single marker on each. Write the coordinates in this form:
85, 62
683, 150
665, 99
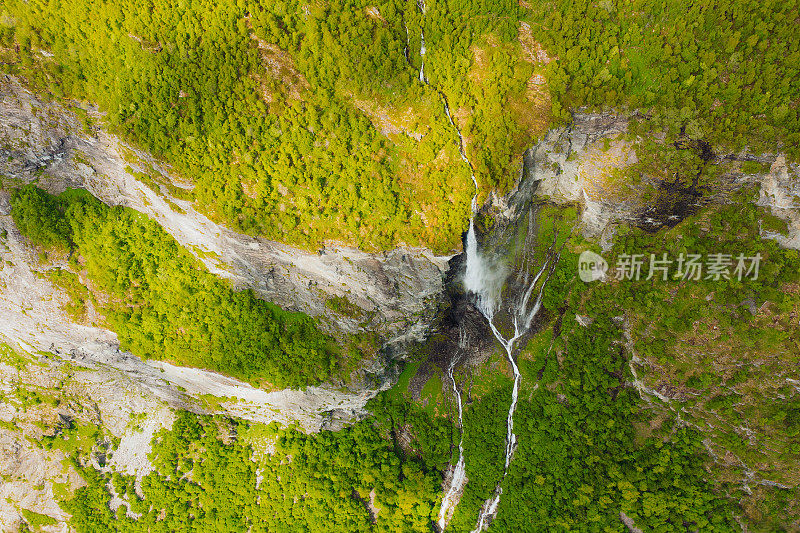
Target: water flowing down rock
458, 478
481, 280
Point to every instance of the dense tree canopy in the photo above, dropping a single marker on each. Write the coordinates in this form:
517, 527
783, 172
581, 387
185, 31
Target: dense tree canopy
305, 122
163, 303
209, 477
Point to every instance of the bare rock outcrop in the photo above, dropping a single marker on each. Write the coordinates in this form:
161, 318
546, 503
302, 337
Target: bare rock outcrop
395, 292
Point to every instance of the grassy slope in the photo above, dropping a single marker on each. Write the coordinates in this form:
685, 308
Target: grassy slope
307, 122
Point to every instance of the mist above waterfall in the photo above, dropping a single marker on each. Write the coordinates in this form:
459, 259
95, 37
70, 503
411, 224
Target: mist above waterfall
504, 275
484, 279
483, 276
518, 297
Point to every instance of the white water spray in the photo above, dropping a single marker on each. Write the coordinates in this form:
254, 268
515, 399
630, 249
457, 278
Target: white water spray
422, 77
482, 280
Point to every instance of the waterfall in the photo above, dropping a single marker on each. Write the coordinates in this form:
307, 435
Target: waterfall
482, 281
422, 77
405, 49
485, 280
459, 477
481, 278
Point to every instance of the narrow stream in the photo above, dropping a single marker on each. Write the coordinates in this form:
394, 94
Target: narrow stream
458, 479
484, 280
422, 77
480, 280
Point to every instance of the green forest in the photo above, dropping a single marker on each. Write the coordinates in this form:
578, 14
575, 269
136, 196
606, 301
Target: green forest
207, 470
588, 447
667, 402
306, 122
162, 302
324, 482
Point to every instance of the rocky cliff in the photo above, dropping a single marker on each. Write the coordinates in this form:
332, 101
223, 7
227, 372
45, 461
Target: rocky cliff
392, 294
395, 294
77, 373
398, 295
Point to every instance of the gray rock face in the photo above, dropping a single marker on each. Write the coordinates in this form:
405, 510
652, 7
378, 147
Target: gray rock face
581, 164
32, 319
571, 165
395, 291
780, 192
394, 294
